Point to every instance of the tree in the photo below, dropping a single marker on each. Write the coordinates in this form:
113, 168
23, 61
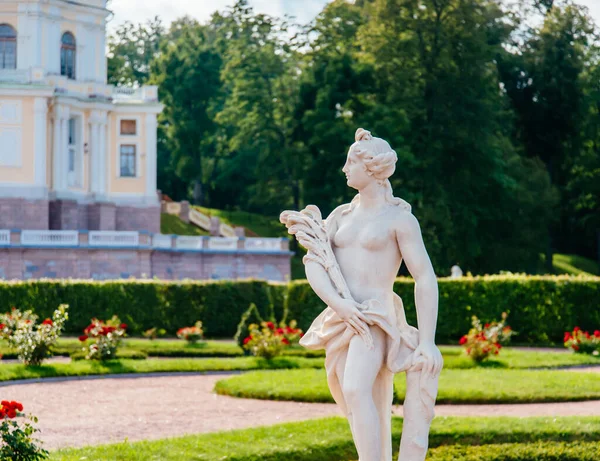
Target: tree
436, 59
188, 75
259, 164
131, 49
544, 82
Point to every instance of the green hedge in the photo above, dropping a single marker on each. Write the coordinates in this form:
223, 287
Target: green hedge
144, 304
541, 308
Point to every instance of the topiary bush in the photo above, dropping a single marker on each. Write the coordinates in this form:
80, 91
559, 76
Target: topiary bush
541, 308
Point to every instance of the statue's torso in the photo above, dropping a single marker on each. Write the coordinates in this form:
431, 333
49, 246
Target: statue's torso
367, 252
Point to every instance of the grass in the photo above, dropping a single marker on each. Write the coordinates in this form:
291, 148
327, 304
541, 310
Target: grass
456, 386
511, 358
256, 224
14, 371
171, 224
329, 439
575, 265
453, 355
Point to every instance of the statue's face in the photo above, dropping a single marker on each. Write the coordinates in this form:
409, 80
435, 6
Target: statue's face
356, 172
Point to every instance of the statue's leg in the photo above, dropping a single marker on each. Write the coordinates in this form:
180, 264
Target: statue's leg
417, 419
362, 368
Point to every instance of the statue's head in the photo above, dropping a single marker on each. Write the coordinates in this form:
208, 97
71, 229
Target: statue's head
369, 159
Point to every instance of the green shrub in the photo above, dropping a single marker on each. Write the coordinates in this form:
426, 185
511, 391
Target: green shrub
143, 304
541, 308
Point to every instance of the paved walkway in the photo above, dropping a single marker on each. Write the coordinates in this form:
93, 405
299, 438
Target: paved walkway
94, 411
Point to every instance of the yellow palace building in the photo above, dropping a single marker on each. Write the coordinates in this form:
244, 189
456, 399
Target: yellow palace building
75, 152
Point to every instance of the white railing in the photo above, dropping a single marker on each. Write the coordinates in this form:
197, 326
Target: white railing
51, 238
197, 218
4, 237
223, 243
188, 242
226, 230
113, 238
161, 241
262, 244
122, 92
14, 75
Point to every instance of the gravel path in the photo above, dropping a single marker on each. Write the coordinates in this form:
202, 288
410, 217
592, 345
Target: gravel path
94, 411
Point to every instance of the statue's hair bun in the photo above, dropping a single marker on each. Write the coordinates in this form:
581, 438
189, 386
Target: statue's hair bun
362, 135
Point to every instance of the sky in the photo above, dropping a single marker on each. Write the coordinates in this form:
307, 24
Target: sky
168, 10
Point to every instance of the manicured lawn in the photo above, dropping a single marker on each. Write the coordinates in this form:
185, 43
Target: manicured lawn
456, 386
454, 357
518, 359
329, 439
84, 368
257, 224
171, 224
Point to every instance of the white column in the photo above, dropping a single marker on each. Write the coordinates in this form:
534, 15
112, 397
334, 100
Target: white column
64, 150
56, 148
94, 153
151, 126
102, 157
40, 108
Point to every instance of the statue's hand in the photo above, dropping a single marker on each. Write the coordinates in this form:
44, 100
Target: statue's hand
431, 357
348, 311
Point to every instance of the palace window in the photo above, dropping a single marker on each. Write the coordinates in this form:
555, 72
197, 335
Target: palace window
72, 145
68, 49
127, 161
8, 47
128, 127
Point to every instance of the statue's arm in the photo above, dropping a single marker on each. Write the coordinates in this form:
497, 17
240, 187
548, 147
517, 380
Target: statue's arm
317, 276
412, 248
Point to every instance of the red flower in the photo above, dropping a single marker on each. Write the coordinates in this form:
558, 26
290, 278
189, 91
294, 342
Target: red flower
19, 406
576, 329
5, 403
575, 348
123, 326
270, 326
48, 322
247, 340
567, 337
285, 341
2, 326
463, 340
11, 413
280, 331
487, 325
83, 338
2, 413
597, 333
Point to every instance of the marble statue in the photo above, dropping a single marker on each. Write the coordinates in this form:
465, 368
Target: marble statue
456, 272
353, 258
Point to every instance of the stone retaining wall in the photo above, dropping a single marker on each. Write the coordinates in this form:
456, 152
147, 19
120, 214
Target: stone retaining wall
112, 263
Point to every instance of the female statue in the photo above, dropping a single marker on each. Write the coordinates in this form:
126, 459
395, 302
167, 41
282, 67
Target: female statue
352, 261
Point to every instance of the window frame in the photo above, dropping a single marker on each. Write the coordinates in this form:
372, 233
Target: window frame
4, 40
135, 146
131, 119
64, 49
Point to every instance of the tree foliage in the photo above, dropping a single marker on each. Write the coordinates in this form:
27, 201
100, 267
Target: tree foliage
495, 121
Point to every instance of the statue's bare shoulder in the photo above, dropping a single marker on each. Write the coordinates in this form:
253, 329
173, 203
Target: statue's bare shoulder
405, 224
333, 220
